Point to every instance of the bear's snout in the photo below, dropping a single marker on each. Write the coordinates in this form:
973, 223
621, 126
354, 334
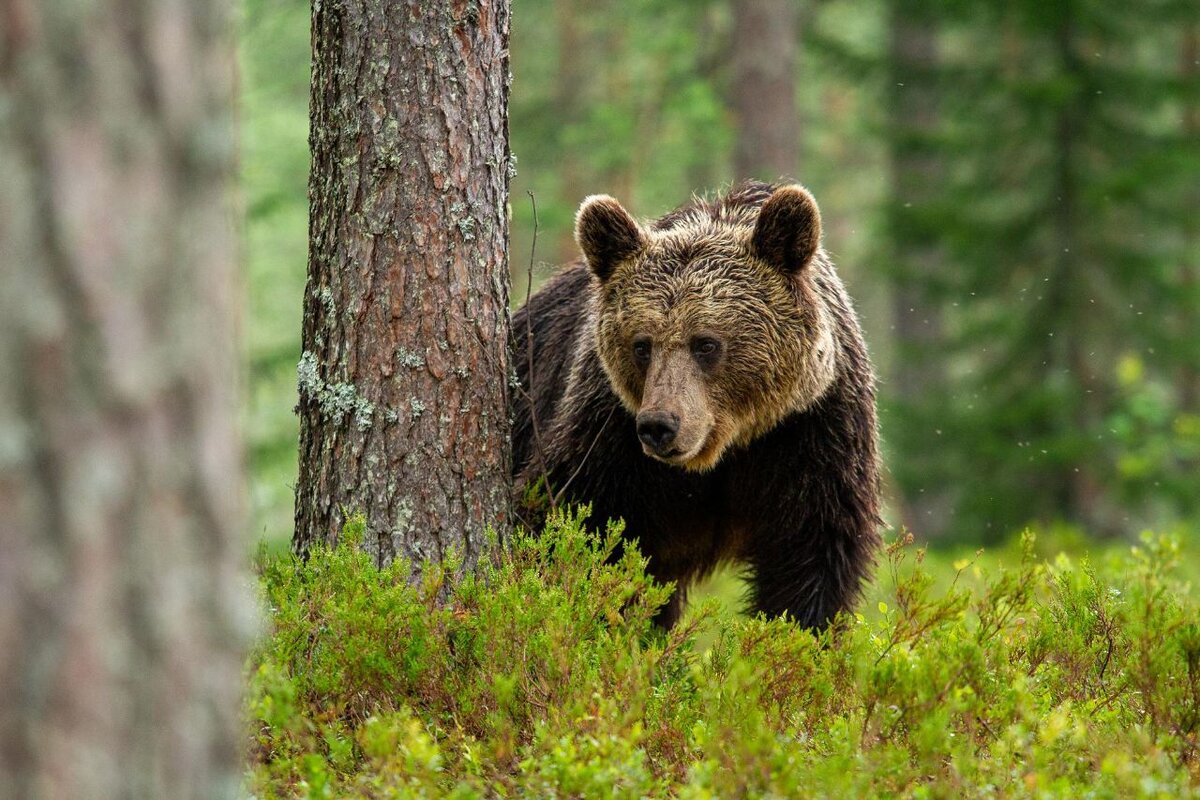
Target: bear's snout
657, 430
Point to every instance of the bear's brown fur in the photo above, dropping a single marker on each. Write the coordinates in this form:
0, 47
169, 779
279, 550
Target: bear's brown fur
704, 378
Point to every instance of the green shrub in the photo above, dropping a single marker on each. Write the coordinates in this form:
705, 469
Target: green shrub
541, 675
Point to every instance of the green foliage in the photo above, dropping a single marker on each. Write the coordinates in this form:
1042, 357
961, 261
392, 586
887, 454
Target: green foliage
542, 675
1056, 239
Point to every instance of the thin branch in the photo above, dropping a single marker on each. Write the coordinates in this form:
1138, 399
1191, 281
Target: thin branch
557, 496
533, 413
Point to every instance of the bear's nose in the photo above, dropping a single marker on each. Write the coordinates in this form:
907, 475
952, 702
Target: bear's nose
657, 429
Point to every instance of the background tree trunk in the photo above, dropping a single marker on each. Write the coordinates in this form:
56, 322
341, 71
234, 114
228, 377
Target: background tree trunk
570, 83
123, 604
1189, 374
404, 373
1071, 339
763, 91
917, 259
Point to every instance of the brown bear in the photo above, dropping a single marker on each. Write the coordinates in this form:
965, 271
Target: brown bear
704, 378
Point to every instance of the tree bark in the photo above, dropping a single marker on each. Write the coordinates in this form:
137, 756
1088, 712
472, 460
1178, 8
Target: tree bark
763, 91
404, 374
123, 603
917, 181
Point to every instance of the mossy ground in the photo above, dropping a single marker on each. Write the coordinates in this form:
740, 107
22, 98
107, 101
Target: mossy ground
541, 676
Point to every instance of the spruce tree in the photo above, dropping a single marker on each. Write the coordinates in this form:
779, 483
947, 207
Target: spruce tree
1065, 219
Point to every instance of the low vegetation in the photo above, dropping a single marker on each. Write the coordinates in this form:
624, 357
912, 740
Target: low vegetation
542, 676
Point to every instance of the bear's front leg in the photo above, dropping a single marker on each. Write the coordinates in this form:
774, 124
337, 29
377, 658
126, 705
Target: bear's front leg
811, 566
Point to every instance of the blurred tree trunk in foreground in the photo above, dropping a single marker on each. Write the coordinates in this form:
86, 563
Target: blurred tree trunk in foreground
763, 90
404, 372
916, 263
123, 603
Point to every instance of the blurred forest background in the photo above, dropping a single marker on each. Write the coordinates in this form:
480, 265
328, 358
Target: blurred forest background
1010, 190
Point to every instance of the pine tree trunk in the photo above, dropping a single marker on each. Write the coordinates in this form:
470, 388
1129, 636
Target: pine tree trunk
1082, 496
570, 83
123, 603
1189, 374
404, 373
917, 182
620, 89
763, 91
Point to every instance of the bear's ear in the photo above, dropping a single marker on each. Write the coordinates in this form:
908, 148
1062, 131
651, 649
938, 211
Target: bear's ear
788, 231
606, 234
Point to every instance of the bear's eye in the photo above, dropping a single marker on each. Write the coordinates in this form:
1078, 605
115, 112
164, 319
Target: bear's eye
641, 351
706, 349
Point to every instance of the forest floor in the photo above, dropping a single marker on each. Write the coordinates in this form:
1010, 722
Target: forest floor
1022, 671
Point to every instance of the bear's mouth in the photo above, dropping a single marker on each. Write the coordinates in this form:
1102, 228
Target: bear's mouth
676, 456
701, 458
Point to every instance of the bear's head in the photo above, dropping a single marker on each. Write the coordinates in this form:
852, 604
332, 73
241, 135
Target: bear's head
710, 323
